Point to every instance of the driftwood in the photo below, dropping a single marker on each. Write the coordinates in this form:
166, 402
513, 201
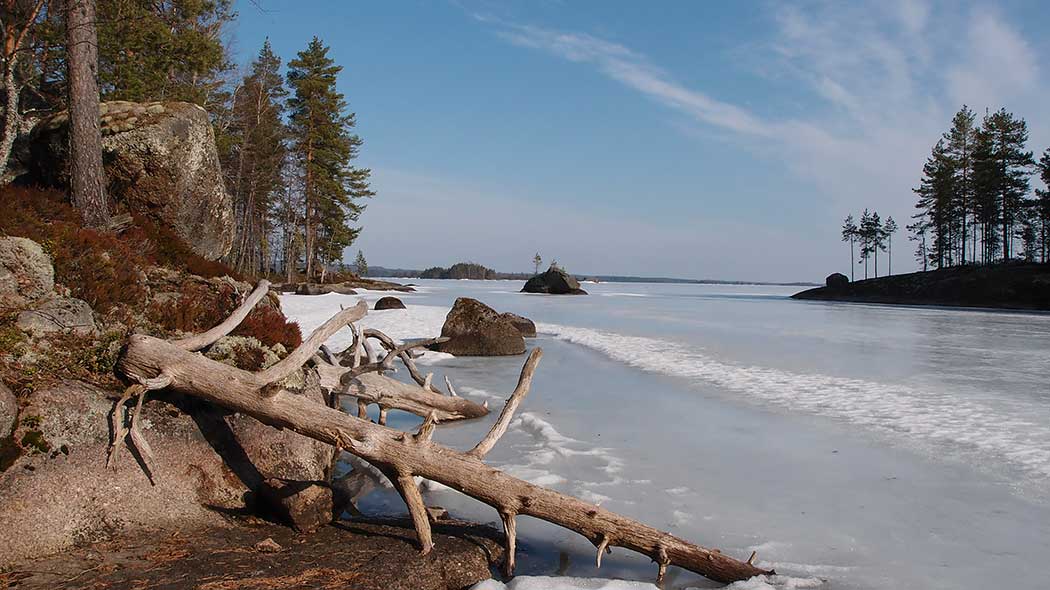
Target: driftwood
153, 363
369, 385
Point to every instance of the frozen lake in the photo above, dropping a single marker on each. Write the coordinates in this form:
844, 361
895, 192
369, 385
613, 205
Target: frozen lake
868, 446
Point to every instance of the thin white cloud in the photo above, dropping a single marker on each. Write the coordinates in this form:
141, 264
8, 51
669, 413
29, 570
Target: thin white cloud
1000, 65
885, 77
635, 71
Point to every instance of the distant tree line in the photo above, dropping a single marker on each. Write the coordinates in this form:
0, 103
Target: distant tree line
872, 235
975, 203
285, 139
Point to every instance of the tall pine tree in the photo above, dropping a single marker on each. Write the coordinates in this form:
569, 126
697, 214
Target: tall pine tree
1042, 207
323, 146
961, 142
936, 194
254, 159
1003, 170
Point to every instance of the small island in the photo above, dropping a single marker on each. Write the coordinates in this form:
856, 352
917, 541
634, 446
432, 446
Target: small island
1004, 286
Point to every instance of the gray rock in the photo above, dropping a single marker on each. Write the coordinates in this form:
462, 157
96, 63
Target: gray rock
475, 329
58, 493
554, 281
836, 281
523, 324
8, 410
389, 303
321, 289
58, 314
303, 505
161, 162
26, 274
283, 454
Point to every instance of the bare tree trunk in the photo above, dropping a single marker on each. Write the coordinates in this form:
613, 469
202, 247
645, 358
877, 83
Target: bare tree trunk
12, 118
87, 179
156, 364
14, 38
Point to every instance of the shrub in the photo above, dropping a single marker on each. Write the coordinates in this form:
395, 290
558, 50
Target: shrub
270, 327
96, 267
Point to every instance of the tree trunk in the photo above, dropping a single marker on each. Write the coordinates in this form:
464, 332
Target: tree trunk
87, 179
12, 118
157, 364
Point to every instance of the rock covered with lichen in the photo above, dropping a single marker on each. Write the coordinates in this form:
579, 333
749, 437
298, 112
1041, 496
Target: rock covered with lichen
160, 161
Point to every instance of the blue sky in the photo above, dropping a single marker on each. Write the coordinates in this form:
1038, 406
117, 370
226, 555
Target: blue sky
690, 139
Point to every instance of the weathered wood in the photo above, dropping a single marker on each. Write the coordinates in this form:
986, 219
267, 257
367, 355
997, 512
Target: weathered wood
389, 393
403, 456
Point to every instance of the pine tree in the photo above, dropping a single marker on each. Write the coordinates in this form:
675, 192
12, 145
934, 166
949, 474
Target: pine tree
864, 232
849, 234
917, 233
360, 264
87, 181
170, 50
888, 229
254, 159
1042, 207
876, 238
961, 143
936, 190
323, 146
1004, 169
536, 262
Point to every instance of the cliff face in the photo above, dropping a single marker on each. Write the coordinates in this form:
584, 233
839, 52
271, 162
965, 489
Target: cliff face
1005, 286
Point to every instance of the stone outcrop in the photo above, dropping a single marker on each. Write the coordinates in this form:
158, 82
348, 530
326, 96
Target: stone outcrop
836, 281
322, 289
58, 491
204, 462
160, 161
58, 314
389, 303
475, 329
26, 274
523, 324
554, 281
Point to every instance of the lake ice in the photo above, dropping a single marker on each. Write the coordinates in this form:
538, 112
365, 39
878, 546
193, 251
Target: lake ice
867, 446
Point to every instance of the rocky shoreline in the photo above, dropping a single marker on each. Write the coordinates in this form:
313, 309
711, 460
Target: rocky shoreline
253, 554
1005, 286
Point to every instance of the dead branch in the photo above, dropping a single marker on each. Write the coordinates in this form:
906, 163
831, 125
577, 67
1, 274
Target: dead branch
206, 339
402, 456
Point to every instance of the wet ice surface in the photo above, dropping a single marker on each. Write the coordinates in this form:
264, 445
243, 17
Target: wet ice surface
870, 446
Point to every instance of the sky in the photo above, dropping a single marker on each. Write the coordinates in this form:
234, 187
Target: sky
685, 139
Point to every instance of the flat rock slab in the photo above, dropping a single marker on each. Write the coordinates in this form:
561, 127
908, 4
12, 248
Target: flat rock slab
360, 555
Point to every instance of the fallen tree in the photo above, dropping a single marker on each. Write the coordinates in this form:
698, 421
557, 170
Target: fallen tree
150, 363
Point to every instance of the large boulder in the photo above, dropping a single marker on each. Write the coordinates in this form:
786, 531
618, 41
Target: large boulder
57, 491
58, 314
837, 281
389, 303
26, 274
475, 329
289, 457
160, 161
553, 282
